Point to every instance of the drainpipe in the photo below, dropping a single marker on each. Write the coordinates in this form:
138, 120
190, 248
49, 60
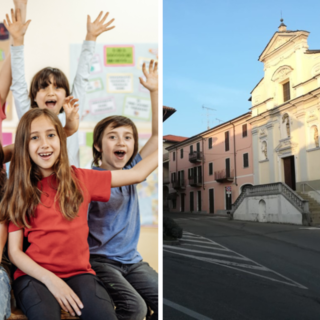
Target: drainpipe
203, 187
234, 152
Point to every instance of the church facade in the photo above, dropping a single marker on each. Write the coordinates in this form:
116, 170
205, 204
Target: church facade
285, 110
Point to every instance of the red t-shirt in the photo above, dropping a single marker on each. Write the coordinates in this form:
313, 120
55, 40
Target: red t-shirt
57, 244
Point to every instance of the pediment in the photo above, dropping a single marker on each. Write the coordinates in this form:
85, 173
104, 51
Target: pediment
281, 73
286, 146
280, 40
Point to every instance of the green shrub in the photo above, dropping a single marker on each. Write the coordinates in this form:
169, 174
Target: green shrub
171, 228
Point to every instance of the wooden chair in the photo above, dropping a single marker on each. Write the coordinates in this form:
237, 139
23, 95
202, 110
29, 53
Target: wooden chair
17, 314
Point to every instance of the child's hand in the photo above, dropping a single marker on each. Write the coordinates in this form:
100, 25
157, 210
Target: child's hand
72, 115
16, 28
151, 82
95, 28
65, 296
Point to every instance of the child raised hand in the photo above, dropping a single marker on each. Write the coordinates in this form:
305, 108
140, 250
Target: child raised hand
71, 110
98, 26
17, 28
151, 84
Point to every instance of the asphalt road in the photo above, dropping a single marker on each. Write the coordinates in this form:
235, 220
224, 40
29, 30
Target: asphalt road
241, 270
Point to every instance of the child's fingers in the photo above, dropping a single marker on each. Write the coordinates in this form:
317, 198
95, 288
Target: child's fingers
68, 99
108, 23
142, 81
105, 17
98, 18
13, 18
5, 24
150, 66
76, 303
109, 28
8, 20
67, 306
74, 101
144, 70
88, 19
155, 69
62, 306
26, 25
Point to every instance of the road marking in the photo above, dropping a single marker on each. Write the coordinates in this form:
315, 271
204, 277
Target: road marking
224, 262
220, 249
185, 310
187, 240
190, 237
206, 252
310, 228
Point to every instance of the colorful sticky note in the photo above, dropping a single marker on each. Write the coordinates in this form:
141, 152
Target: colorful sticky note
119, 56
89, 139
6, 138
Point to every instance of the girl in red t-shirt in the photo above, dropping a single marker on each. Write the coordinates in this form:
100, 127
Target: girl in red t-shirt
46, 200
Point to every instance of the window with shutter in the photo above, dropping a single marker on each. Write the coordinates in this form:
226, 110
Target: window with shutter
244, 131
246, 160
226, 140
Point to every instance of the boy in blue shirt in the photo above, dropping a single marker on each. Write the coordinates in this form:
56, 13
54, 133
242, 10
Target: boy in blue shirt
115, 225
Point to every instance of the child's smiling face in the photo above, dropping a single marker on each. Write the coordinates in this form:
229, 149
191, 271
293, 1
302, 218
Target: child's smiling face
51, 97
44, 144
117, 147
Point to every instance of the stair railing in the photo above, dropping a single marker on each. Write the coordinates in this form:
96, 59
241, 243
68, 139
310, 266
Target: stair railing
273, 189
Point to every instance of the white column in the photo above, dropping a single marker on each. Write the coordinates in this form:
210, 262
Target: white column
271, 154
255, 153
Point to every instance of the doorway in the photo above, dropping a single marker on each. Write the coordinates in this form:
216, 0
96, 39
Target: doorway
211, 200
228, 196
289, 172
191, 201
182, 202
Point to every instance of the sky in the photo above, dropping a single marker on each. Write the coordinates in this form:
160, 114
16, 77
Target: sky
210, 55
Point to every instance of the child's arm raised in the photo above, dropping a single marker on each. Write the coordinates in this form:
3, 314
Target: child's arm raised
94, 29
65, 296
5, 73
71, 109
137, 174
17, 29
151, 84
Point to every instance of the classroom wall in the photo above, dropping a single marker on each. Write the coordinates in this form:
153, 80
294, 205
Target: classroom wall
57, 24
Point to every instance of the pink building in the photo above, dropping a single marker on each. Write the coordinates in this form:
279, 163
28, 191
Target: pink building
208, 171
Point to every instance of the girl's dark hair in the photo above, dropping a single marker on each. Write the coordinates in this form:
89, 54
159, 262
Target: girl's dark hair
24, 176
116, 121
42, 79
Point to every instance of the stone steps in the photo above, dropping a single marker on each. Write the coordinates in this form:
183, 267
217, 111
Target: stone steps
314, 208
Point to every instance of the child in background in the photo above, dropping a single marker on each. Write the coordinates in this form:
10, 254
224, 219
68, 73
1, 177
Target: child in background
114, 227
49, 87
50, 208
5, 155
5, 308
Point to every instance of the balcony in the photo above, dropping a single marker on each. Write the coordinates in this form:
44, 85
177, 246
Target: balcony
195, 181
224, 175
195, 156
166, 179
165, 157
179, 185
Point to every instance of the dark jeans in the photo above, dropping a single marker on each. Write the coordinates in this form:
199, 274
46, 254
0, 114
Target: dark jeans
37, 302
132, 287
